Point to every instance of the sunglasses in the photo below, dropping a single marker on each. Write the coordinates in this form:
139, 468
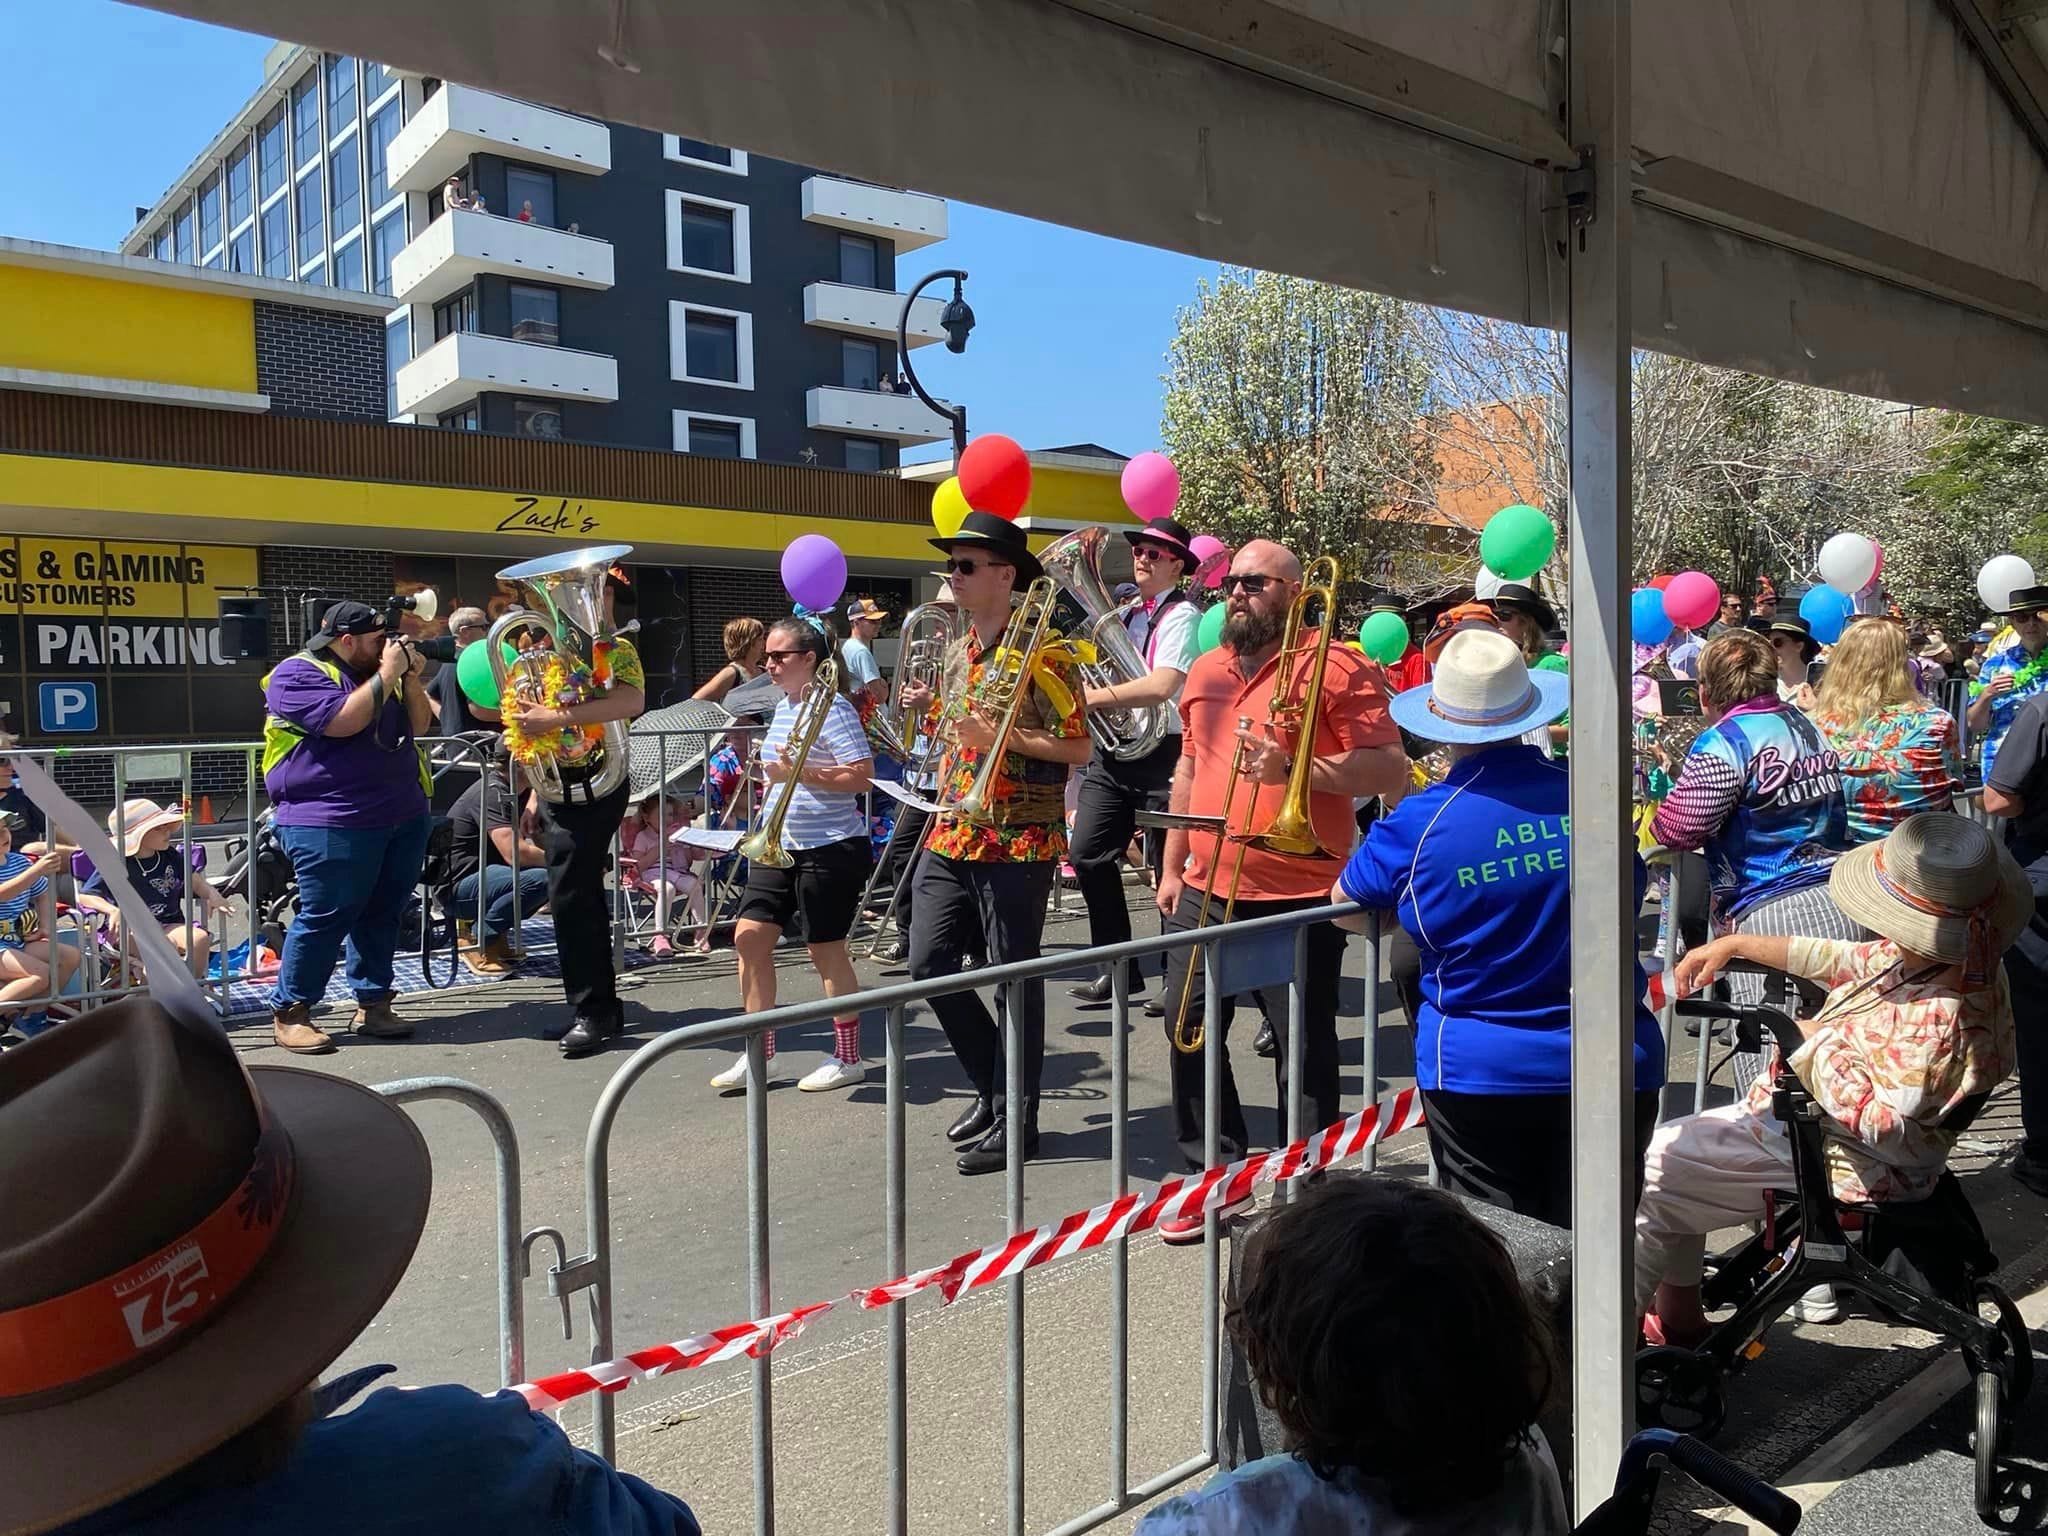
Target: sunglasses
1152, 552
1252, 585
967, 566
772, 657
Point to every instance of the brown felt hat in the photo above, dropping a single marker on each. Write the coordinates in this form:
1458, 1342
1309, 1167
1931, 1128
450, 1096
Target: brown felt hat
183, 1247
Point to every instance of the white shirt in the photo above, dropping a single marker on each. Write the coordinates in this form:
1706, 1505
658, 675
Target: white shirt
816, 816
1173, 642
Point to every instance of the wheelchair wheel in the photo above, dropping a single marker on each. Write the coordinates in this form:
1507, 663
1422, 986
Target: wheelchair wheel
2019, 1379
1989, 1438
1679, 1390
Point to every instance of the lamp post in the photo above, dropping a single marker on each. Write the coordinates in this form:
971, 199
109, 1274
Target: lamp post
957, 320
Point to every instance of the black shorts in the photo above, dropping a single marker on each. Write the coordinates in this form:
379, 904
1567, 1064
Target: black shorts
824, 882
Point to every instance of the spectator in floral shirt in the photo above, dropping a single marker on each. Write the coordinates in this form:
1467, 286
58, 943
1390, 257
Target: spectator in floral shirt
1917, 1021
987, 879
1898, 754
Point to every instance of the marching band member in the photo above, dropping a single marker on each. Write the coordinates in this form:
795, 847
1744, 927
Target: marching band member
1357, 751
577, 835
987, 880
2014, 670
826, 833
1113, 791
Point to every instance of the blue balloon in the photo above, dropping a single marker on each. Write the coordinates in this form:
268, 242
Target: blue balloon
1648, 623
1826, 613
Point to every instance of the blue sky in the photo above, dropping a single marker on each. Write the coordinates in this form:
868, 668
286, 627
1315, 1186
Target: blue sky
106, 104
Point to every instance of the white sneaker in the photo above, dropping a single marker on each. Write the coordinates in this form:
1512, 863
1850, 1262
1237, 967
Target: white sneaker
1818, 1305
735, 1076
832, 1073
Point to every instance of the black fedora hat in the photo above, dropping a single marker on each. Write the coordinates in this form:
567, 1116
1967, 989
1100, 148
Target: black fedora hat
1524, 599
1001, 538
2024, 600
1792, 624
1168, 534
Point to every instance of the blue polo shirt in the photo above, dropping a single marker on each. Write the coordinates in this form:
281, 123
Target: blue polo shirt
1476, 869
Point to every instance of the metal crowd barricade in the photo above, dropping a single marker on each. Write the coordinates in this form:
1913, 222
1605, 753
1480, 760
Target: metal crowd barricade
1238, 948
676, 754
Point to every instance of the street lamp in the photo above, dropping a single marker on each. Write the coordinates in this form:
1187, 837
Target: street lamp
957, 320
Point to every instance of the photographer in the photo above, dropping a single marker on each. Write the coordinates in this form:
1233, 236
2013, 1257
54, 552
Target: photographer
348, 783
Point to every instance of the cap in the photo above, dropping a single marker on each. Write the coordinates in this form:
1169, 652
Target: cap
345, 618
865, 608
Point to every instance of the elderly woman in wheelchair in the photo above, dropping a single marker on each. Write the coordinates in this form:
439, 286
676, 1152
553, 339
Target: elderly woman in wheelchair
1851, 1128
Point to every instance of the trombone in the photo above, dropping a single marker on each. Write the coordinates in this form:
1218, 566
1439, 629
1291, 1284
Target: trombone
1291, 831
1002, 688
764, 844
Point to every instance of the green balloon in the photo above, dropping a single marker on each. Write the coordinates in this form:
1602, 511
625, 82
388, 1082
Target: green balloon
1516, 542
1385, 637
473, 672
1209, 633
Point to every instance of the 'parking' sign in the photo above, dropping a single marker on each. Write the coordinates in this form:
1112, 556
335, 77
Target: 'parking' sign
69, 706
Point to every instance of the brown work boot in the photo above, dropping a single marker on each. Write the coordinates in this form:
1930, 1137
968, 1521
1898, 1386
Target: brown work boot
500, 950
376, 1021
465, 933
294, 1029
487, 960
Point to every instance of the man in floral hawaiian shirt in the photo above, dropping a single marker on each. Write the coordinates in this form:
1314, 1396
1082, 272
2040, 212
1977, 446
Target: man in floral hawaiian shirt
2014, 670
985, 881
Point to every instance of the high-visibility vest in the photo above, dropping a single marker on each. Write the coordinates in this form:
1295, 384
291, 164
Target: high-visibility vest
281, 737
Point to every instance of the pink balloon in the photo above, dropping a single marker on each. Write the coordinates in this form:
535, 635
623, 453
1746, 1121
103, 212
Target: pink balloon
1151, 486
1692, 599
1215, 557
1878, 569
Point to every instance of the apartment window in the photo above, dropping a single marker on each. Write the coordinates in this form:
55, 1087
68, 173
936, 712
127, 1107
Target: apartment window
345, 183
536, 418
379, 133
859, 262
209, 213
397, 353
348, 265
709, 238
536, 313
523, 186
242, 251
463, 418
711, 346
714, 437
165, 250
270, 168
455, 314
184, 228
238, 187
386, 241
305, 121
312, 235
714, 157
863, 453
860, 363
341, 93
376, 80
277, 239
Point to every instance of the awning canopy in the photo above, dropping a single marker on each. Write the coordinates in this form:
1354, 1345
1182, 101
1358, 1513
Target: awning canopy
1851, 196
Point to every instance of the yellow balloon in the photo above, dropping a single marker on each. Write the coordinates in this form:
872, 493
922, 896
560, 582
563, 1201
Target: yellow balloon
949, 507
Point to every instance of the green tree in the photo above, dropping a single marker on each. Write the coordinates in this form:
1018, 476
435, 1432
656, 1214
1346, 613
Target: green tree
1291, 411
1984, 492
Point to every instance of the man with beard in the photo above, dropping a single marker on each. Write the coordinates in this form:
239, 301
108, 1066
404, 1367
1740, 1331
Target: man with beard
1225, 709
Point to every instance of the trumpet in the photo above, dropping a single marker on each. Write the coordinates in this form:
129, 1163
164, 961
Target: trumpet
1292, 830
764, 844
1002, 689
1074, 561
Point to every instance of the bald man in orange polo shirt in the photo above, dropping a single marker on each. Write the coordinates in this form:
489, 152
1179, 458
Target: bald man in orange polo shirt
1225, 703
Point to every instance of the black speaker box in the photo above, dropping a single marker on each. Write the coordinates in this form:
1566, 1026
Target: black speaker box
245, 628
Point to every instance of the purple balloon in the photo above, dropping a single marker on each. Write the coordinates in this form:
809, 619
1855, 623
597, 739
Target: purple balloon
814, 571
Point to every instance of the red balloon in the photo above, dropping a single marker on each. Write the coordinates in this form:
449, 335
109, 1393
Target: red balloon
1662, 581
995, 476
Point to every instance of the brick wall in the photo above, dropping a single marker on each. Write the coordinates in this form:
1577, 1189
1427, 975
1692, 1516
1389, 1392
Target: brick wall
363, 574
317, 362
220, 776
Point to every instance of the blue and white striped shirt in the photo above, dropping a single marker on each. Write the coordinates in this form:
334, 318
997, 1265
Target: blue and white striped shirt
816, 816
19, 918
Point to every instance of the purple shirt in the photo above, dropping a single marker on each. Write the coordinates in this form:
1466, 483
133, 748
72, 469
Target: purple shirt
370, 779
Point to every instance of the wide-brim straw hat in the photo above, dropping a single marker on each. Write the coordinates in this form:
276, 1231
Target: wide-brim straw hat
1934, 886
1482, 691
258, 1261
137, 819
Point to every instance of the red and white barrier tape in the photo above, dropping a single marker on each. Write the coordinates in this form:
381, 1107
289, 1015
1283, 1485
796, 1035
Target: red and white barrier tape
1139, 1211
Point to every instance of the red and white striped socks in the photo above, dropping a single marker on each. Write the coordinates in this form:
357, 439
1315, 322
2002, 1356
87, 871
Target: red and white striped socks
846, 1040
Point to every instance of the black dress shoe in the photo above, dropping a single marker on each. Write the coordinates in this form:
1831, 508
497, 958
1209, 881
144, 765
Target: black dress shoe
1263, 1044
992, 1153
1096, 991
587, 1034
1155, 1008
974, 1121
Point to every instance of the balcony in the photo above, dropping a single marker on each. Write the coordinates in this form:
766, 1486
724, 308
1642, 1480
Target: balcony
458, 121
459, 367
450, 253
910, 219
871, 312
874, 413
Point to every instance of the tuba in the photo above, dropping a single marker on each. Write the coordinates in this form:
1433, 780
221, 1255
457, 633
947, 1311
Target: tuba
764, 846
920, 659
561, 657
1074, 562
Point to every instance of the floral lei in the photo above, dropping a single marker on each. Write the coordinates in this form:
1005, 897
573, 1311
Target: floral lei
2022, 680
561, 686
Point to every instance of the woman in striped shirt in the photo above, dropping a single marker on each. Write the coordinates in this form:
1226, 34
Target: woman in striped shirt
28, 913
826, 832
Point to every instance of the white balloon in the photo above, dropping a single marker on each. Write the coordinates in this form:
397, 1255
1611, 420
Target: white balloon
2002, 576
1487, 584
1848, 562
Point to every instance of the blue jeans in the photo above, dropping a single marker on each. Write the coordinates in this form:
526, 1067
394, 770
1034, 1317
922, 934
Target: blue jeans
498, 885
354, 884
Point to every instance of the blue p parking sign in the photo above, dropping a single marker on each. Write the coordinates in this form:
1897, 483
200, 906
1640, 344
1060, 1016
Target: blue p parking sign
68, 706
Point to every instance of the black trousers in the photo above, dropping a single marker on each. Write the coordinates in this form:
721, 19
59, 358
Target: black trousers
1319, 1020
1112, 794
578, 838
1514, 1150
962, 906
2026, 975
911, 824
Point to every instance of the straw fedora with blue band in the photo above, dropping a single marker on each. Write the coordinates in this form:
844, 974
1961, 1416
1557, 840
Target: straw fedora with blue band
1482, 691
1000, 538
